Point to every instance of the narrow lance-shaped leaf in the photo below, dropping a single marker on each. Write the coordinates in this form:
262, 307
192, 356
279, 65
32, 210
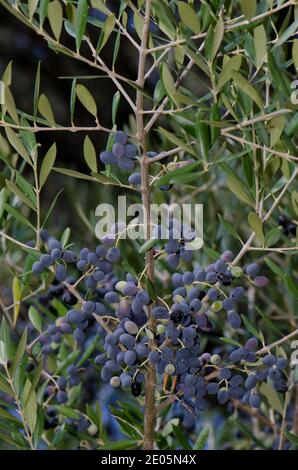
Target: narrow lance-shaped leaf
17, 296
295, 53
217, 37
107, 30
43, 10
10, 104
188, 17
115, 106
35, 318
32, 5
277, 125
45, 109
17, 144
90, 154
6, 77
230, 65
47, 164
256, 224
30, 410
81, 21
19, 352
247, 88
73, 100
239, 190
14, 189
36, 90
168, 82
260, 43
249, 8
86, 99
55, 15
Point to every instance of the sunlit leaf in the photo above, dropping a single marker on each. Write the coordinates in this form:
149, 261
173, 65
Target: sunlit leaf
86, 99
90, 154
55, 15
47, 164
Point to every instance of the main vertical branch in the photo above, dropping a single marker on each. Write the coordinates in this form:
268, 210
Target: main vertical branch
149, 421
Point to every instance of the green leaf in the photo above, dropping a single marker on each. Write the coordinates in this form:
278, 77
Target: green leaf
250, 327
165, 17
17, 296
177, 175
231, 341
73, 100
55, 15
248, 8
6, 415
30, 409
277, 125
277, 76
177, 141
260, 43
229, 228
101, 178
202, 439
35, 318
36, 91
86, 99
90, 154
291, 285
10, 104
230, 65
217, 37
32, 5
291, 30
3, 199
272, 237
4, 387
295, 53
107, 30
6, 77
115, 106
147, 245
188, 17
26, 188
294, 201
291, 437
256, 224
240, 191
19, 352
3, 357
247, 88
120, 445
45, 109
100, 5
47, 164
181, 437
17, 145
274, 267
43, 9
65, 237
168, 82
14, 189
272, 397
67, 411
74, 174
81, 21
